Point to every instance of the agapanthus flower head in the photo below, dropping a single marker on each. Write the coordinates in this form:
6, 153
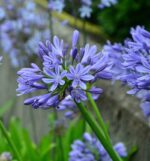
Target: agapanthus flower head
107, 3
90, 149
66, 71
56, 5
136, 60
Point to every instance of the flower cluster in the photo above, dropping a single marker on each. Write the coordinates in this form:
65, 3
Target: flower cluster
67, 71
90, 149
137, 62
131, 64
22, 26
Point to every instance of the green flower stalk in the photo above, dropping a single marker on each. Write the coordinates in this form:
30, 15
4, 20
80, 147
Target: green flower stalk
98, 132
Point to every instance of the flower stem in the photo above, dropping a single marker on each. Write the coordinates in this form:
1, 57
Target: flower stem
61, 148
99, 117
98, 132
10, 142
58, 138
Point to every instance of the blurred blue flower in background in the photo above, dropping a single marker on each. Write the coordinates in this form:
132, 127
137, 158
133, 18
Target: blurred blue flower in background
85, 12
90, 149
85, 9
56, 5
107, 3
23, 26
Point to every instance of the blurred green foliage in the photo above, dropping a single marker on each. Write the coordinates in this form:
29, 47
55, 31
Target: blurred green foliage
117, 20
48, 148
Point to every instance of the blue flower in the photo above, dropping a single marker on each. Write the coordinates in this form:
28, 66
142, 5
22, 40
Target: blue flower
85, 12
120, 149
79, 75
115, 52
28, 80
58, 46
75, 38
137, 62
54, 78
43, 101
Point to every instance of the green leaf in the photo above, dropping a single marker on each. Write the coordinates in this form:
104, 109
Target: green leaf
45, 147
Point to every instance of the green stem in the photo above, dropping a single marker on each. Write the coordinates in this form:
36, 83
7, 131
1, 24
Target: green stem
58, 139
99, 117
10, 142
61, 148
98, 132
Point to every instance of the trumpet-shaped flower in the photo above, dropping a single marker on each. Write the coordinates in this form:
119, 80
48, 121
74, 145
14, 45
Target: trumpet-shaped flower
79, 75
55, 78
